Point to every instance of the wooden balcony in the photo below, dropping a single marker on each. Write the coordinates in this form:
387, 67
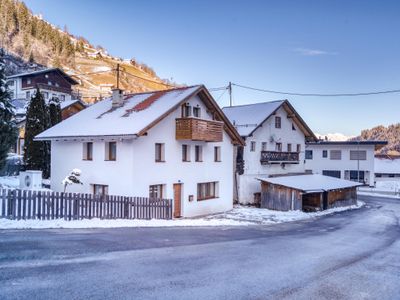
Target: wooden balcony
275, 157
199, 130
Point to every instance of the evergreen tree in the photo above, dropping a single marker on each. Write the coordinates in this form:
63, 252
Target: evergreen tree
54, 111
8, 130
36, 153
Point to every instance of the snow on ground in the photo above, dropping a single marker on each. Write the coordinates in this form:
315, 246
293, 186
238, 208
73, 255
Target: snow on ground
9, 182
12, 182
239, 216
387, 188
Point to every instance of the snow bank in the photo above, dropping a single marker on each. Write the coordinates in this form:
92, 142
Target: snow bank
239, 216
9, 182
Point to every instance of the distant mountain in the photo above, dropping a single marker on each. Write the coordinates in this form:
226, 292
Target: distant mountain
333, 137
32, 43
390, 134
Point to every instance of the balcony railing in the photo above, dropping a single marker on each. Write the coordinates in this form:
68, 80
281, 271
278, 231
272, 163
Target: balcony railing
199, 130
274, 157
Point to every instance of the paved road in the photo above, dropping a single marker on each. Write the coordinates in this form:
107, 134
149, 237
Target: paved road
349, 255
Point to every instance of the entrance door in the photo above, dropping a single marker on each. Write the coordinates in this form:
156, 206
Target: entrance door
177, 199
325, 200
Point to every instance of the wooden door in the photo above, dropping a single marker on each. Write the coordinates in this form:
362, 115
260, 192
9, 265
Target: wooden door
177, 200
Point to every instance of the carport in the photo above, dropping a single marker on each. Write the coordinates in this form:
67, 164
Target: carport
307, 192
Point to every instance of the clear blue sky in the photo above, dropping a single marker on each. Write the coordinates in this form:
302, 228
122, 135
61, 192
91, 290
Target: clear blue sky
301, 46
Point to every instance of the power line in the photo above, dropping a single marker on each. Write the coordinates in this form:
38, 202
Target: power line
220, 96
149, 80
217, 89
92, 73
317, 94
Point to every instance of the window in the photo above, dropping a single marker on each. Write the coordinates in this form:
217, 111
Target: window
293, 128
185, 153
62, 97
156, 191
28, 81
278, 122
196, 112
12, 94
336, 154
289, 147
111, 151
356, 175
358, 155
28, 95
253, 146
207, 190
309, 154
160, 152
45, 95
331, 173
278, 147
264, 146
298, 148
217, 153
198, 153
100, 189
88, 151
10, 83
186, 110
324, 153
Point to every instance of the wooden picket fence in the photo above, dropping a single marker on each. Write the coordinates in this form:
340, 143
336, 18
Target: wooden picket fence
43, 205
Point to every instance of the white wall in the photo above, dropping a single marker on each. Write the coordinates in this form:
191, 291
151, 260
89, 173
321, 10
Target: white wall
318, 163
135, 168
248, 185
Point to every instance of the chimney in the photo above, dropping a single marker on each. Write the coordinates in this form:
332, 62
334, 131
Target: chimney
117, 98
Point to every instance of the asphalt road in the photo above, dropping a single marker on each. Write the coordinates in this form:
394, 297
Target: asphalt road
348, 255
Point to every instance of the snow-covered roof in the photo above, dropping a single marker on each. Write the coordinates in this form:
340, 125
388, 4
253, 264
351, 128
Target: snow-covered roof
311, 182
246, 118
67, 103
65, 75
387, 166
138, 114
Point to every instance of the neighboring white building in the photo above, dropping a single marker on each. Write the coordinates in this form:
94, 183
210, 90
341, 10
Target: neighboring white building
275, 137
387, 168
351, 160
174, 144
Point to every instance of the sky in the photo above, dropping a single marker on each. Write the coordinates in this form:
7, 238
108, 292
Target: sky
292, 46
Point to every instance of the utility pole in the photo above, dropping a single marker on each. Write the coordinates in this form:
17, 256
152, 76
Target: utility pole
117, 76
230, 93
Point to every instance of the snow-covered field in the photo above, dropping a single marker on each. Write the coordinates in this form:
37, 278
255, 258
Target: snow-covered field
239, 216
387, 188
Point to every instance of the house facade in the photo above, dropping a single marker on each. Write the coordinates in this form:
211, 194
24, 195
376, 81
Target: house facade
174, 144
275, 137
53, 83
350, 160
387, 168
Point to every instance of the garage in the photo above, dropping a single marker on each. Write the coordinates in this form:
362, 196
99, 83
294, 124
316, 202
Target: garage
308, 192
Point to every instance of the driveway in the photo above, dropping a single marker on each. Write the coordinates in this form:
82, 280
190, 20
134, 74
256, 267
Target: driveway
348, 255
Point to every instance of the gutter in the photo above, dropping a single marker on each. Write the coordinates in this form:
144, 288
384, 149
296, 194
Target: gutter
87, 137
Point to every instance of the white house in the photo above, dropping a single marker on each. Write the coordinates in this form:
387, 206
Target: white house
275, 137
351, 160
165, 144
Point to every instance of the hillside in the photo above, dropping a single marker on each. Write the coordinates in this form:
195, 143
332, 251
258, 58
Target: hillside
390, 134
32, 43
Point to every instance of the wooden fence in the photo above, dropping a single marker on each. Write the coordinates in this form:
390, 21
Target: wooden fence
42, 205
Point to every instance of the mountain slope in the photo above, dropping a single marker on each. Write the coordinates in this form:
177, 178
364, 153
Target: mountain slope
33, 43
390, 134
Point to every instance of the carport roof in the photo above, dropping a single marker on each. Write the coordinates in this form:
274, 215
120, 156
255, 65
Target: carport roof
310, 183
